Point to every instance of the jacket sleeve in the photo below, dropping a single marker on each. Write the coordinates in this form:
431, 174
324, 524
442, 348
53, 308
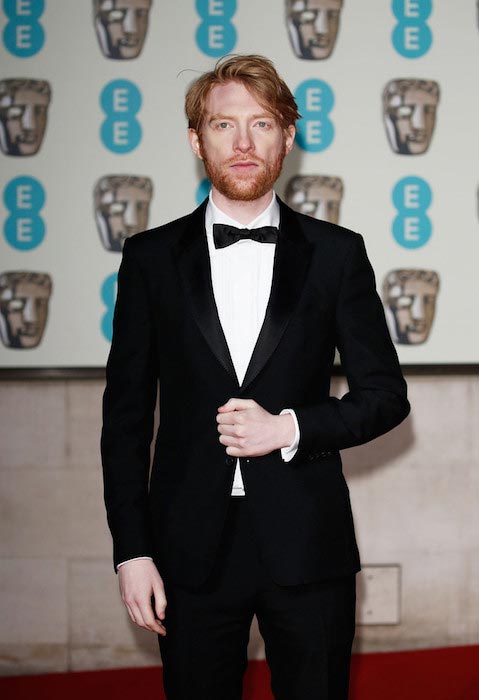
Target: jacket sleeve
128, 414
377, 396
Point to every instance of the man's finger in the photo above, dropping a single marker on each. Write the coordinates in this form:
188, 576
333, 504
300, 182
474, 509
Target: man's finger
236, 405
227, 418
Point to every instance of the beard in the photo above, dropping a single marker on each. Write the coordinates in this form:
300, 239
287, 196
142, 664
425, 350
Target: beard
244, 187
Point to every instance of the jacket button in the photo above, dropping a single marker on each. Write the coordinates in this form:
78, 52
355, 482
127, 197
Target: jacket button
229, 460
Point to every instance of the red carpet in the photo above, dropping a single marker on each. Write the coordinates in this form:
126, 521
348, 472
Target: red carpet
434, 674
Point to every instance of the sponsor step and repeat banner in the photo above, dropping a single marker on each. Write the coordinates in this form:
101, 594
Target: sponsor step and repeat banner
93, 149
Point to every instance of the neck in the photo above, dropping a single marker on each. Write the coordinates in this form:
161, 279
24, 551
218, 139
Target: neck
240, 211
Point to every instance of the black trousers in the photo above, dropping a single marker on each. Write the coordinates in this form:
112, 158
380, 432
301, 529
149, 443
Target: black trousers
308, 629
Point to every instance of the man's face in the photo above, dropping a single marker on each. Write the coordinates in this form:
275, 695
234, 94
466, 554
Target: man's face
410, 301
410, 115
313, 26
316, 195
241, 143
23, 117
23, 308
121, 209
121, 26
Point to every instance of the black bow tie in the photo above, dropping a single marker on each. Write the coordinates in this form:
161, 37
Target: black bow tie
224, 235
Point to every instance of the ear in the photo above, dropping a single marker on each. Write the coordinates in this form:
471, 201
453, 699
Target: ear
195, 143
290, 133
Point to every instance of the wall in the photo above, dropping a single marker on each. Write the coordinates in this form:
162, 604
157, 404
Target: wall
414, 492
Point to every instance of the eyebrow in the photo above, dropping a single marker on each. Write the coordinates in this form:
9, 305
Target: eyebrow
225, 117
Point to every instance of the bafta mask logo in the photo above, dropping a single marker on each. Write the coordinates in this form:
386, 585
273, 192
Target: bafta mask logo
410, 303
409, 112
23, 115
122, 205
121, 26
24, 298
318, 196
313, 26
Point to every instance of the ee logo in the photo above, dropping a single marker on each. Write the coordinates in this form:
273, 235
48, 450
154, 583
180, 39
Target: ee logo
315, 100
121, 101
216, 35
203, 190
411, 36
108, 297
23, 35
412, 198
24, 197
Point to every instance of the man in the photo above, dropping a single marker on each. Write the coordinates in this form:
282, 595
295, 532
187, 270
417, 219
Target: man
246, 510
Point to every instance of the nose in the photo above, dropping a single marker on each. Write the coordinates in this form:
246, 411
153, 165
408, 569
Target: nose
29, 315
417, 308
129, 216
243, 141
417, 118
321, 22
129, 21
28, 118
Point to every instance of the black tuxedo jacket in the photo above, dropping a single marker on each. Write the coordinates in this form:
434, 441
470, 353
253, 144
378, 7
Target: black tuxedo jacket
166, 329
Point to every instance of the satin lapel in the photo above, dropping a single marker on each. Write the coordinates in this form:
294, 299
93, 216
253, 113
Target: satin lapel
195, 271
291, 263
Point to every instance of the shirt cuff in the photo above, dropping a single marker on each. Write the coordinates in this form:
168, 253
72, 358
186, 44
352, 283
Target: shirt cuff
287, 453
134, 559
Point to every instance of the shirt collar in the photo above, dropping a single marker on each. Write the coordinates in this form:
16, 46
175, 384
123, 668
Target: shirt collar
268, 217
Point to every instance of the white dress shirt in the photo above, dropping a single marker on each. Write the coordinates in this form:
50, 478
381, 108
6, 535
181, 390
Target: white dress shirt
241, 275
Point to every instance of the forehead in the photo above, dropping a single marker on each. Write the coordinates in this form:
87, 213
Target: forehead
413, 95
25, 288
24, 96
231, 99
413, 286
124, 5
131, 191
321, 189
301, 5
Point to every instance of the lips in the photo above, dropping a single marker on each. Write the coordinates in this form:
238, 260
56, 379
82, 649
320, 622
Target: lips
319, 43
27, 138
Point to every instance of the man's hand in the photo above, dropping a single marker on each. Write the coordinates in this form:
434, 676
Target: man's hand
248, 430
139, 581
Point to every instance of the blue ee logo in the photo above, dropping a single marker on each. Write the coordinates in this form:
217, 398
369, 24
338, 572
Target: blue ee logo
203, 190
24, 197
216, 35
412, 198
108, 297
315, 100
121, 101
23, 35
411, 36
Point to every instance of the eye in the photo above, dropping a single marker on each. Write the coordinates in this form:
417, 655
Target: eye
223, 125
116, 208
404, 111
15, 305
307, 16
115, 16
14, 112
404, 302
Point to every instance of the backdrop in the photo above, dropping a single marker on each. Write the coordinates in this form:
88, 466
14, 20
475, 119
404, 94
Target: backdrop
93, 149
